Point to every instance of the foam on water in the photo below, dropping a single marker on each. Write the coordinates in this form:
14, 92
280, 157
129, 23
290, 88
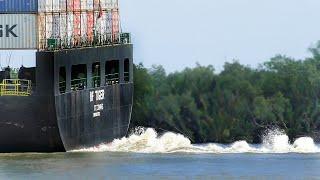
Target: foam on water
148, 141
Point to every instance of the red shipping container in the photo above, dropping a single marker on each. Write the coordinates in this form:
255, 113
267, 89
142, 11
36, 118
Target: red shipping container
70, 5
42, 30
76, 5
90, 25
77, 27
115, 25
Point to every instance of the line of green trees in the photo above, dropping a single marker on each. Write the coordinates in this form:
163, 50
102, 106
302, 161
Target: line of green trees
238, 103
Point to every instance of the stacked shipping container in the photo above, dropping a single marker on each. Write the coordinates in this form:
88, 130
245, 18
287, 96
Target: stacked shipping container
59, 23
18, 24
18, 6
17, 31
74, 23
46, 6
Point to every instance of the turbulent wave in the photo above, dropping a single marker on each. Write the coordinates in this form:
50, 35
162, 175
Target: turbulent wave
148, 141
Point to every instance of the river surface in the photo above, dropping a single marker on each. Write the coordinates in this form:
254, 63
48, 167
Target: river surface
146, 155
108, 165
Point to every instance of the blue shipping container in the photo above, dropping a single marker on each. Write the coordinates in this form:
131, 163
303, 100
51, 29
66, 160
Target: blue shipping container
18, 6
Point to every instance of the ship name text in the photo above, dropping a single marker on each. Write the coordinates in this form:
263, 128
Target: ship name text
96, 96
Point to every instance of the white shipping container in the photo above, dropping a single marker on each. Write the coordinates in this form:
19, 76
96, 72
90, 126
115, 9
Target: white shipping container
106, 4
109, 23
89, 5
84, 25
69, 39
101, 25
63, 26
45, 5
49, 25
63, 5
18, 31
96, 4
83, 4
110, 4
56, 26
56, 5
103, 4
41, 6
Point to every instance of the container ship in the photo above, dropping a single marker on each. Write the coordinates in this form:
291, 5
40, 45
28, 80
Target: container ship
80, 92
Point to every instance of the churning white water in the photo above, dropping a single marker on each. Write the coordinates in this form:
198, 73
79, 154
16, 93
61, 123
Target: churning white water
148, 141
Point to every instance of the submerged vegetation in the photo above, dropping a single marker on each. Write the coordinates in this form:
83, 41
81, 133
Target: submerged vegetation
238, 103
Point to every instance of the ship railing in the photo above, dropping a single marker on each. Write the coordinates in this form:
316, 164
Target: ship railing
76, 41
96, 81
78, 84
15, 87
62, 86
126, 76
112, 79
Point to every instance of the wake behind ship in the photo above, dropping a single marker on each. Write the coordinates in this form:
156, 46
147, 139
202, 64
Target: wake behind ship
80, 92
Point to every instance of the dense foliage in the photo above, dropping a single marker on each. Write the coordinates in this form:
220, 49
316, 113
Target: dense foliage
239, 103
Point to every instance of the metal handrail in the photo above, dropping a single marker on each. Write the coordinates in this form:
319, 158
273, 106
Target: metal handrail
126, 76
97, 40
78, 84
62, 86
15, 87
96, 81
81, 84
112, 79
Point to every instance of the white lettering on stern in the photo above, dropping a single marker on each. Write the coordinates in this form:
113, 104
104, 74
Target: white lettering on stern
98, 107
96, 96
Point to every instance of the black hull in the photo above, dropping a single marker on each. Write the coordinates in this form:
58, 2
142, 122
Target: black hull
28, 125
77, 126
50, 121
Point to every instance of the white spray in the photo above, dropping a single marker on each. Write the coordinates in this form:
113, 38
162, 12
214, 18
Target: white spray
148, 141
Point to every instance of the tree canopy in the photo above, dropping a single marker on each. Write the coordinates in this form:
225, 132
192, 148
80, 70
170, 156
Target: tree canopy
238, 103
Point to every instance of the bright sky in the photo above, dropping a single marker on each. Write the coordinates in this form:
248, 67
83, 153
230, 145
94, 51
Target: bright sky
179, 33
